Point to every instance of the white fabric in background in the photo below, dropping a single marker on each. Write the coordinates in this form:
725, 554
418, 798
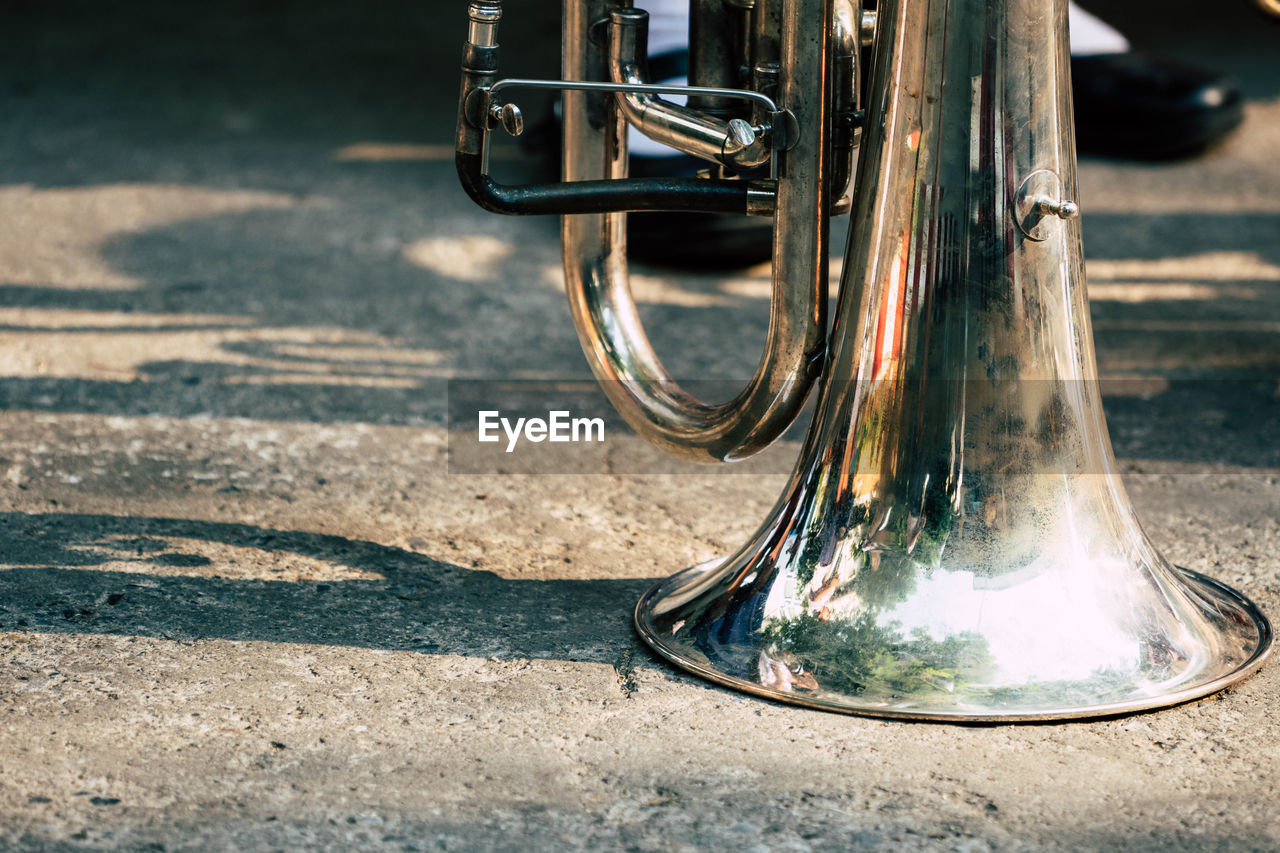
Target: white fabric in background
1091, 36
669, 31
668, 24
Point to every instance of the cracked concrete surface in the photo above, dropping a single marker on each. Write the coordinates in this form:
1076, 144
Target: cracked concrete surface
244, 605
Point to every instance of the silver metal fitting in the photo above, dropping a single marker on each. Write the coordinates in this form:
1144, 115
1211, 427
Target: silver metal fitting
484, 16
867, 33
1061, 208
1040, 205
762, 198
509, 116
742, 132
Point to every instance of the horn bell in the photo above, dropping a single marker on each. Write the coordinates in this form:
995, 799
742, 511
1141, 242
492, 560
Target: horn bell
955, 542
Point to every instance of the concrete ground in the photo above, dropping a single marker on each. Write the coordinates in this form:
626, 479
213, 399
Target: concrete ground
244, 605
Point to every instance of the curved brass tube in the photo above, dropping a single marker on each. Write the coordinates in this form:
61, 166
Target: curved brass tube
604, 312
690, 131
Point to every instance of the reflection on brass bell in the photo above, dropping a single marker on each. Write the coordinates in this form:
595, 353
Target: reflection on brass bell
955, 542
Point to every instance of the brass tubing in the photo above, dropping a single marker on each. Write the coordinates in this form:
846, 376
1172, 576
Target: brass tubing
683, 128
604, 312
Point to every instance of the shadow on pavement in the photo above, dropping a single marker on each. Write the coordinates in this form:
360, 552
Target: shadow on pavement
300, 305
103, 574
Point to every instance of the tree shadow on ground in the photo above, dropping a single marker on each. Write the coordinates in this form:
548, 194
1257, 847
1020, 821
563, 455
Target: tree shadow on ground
105, 574
295, 295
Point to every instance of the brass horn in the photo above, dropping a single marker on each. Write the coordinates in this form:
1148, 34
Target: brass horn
955, 542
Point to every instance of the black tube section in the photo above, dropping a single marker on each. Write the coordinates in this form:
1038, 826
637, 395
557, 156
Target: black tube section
630, 194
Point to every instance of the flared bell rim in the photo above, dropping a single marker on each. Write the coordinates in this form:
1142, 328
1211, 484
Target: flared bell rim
1208, 587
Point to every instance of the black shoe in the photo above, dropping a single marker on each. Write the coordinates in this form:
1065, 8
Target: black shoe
699, 241
694, 240
1138, 107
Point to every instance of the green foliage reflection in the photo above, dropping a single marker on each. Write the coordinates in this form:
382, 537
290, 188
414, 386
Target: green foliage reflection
865, 659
